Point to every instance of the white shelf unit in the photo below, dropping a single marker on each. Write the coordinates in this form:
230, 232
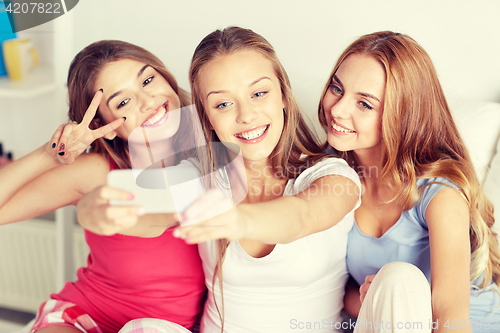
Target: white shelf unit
40, 82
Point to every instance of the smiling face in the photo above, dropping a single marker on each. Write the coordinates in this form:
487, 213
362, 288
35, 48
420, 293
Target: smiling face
353, 105
138, 92
242, 98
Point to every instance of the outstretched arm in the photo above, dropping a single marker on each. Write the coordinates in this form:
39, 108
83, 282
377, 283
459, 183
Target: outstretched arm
322, 205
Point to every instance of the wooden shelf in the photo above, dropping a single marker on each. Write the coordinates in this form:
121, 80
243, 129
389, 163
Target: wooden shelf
40, 82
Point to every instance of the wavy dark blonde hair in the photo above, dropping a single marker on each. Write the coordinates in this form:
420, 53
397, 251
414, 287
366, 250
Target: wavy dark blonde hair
83, 74
296, 138
420, 139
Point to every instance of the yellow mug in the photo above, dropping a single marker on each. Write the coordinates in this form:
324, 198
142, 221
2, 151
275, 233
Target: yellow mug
20, 57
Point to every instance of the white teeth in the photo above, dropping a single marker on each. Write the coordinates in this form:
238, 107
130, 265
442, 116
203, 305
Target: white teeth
250, 135
340, 129
156, 117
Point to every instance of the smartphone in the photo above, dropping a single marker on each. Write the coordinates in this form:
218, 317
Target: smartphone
159, 190
154, 200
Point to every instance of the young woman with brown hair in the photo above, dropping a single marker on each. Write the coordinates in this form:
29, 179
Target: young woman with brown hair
142, 271
385, 113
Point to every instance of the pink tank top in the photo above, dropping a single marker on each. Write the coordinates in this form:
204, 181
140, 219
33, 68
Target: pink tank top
131, 277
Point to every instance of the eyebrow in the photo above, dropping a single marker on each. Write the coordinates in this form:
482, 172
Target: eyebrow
335, 77
258, 80
251, 84
359, 93
369, 96
119, 92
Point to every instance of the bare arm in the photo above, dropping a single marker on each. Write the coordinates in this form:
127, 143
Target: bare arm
38, 183
322, 205
448, 220
352, 302
60, 186
22, 171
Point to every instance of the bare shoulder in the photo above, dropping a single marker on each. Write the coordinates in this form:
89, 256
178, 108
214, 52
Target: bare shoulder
89, 171
448, 203
93, 160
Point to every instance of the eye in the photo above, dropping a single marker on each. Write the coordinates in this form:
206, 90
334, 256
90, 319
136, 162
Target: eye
336, 89
365, 105
147, 81
223, 105
260, 94
123, 103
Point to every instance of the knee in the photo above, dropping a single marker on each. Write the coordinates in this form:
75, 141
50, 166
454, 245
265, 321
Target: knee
142, 325
401, 270
400, 275
151, 325
131, 326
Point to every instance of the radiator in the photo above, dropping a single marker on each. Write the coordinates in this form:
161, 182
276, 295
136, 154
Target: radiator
28, 262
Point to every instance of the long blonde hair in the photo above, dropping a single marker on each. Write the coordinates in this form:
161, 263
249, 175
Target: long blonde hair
296, 138
420, 139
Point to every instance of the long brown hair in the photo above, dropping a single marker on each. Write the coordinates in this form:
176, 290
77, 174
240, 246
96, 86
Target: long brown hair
420, 139
83, 73
296, 138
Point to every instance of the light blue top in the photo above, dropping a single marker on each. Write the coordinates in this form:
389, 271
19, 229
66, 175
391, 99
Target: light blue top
408, 241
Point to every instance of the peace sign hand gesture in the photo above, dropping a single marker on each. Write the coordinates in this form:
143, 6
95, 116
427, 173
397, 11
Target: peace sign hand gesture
70, 140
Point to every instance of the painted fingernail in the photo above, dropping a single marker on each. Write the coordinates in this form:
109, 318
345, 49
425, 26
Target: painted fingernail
61, 153
101, 90
61, 147
54, 145
130, 196
124, 118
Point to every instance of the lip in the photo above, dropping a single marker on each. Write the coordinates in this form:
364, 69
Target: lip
162, 119
256, 140
334, 131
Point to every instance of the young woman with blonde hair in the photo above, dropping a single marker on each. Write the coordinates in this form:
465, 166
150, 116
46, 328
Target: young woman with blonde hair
385, 113
268, 272
279, 263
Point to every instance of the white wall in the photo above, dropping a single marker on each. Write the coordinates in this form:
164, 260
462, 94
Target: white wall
462, 37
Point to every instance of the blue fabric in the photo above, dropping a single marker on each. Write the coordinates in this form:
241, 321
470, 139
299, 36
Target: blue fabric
408, 241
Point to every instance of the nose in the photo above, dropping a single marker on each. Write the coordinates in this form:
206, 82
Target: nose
246, 114
147, 102
340, 109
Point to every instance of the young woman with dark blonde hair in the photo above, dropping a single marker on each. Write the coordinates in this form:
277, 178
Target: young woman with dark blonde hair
280, 258
278, 264
385, 113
